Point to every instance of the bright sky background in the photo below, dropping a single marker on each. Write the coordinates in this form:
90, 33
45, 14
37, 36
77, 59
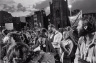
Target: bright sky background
27, 7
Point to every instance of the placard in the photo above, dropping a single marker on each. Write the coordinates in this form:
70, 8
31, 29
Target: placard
9, 26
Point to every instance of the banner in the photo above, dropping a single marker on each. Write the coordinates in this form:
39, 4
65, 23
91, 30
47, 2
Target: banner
22, 19
73, 19
9, 26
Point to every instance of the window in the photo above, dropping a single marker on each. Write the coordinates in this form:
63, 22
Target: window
57, 13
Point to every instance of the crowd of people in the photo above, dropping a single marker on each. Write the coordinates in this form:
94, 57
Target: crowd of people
65, 45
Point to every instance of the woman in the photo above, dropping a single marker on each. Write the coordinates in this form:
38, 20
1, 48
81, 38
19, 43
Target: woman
66, 48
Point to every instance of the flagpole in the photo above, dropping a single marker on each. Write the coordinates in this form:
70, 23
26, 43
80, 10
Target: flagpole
68, 22
67, 7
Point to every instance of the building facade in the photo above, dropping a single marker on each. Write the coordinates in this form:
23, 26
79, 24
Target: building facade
5, 17
59, 13
40, 19
30, 22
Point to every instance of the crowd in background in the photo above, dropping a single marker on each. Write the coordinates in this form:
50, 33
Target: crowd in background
64, 45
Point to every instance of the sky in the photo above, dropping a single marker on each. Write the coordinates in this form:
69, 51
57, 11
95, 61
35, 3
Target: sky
27, 7
87, 6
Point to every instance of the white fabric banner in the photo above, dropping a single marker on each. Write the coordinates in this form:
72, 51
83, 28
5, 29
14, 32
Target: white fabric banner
9, 26
74, 18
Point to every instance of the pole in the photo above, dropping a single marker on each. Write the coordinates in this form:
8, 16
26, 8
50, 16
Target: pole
70, 12
68, 22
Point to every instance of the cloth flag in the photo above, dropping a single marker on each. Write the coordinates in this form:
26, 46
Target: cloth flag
74, 19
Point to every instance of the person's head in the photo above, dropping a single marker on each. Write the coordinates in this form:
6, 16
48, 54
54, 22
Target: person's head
44, 32
65, 35
85, 27
51, 28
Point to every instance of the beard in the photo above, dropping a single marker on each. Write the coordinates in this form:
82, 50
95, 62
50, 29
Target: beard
82, 32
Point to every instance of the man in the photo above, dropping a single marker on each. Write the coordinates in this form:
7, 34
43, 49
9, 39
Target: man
13, 45
42, 42
86, 52
56, 39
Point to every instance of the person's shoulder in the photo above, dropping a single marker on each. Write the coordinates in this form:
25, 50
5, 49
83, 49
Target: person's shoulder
59, 33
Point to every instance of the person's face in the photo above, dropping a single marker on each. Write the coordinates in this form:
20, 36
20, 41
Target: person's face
53, 29
65, 35
80, 26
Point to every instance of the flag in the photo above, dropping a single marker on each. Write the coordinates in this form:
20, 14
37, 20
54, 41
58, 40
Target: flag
74, 19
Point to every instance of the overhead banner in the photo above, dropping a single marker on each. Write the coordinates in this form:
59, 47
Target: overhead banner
22, 19
9, 26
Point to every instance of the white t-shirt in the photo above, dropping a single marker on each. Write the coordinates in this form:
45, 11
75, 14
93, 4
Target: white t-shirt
57, 39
